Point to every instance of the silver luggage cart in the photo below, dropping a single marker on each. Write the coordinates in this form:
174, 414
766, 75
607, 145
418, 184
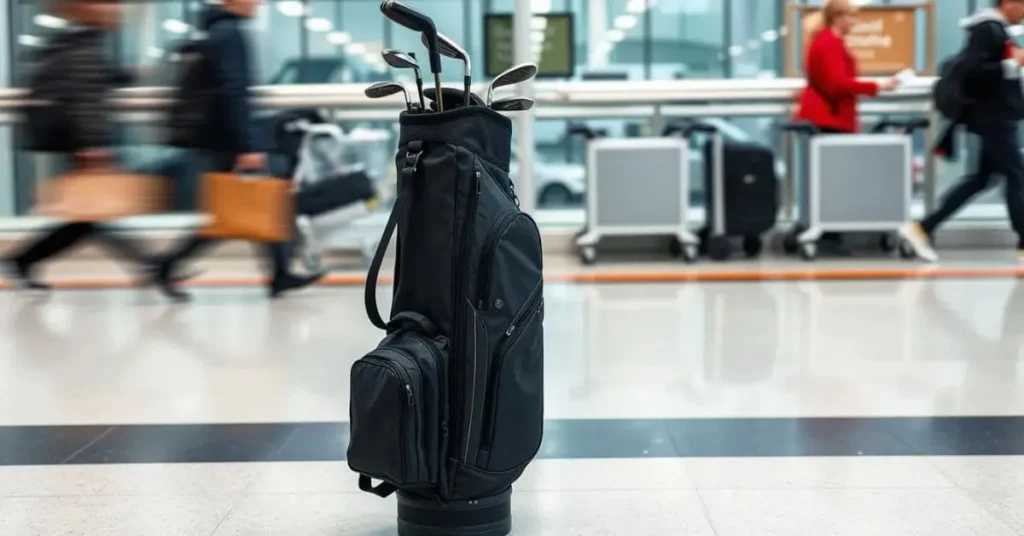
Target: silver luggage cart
638, 187
853, 183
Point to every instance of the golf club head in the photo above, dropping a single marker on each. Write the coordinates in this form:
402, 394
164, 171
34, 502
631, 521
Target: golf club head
512, 104
398, 59
511, 76
379, 90
412, 19
448, 48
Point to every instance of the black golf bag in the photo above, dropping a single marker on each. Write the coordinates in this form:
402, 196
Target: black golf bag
448, 409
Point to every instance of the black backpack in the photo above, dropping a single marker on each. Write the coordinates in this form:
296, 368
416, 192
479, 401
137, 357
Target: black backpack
950, 95
450, 405
194, 94
48, 126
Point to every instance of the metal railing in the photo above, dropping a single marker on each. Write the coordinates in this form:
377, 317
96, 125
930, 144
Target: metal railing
652, 100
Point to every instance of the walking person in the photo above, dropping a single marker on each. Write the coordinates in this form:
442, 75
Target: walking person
77, 76
232, 141
992, 81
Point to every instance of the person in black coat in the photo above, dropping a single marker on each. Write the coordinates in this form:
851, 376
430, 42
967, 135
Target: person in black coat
232, 139
994, 85
87, 78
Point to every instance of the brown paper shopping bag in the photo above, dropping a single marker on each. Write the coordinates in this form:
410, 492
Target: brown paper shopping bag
247, 207
100, 195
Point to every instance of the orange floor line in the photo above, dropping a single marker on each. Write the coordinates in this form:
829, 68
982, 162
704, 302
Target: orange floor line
614, 277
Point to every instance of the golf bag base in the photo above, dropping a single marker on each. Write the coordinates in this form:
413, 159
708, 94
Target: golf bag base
490, 516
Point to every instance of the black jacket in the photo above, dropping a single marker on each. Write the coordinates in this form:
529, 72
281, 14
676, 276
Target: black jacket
232, 128
77, 75
994, 82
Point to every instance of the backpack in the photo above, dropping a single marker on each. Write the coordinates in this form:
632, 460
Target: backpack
449, 406
949, 95
48, 126
194, 93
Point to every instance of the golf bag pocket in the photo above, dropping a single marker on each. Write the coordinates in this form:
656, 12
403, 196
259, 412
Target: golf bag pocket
397, 410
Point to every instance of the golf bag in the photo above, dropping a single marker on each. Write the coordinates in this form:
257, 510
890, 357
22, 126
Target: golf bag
449, 406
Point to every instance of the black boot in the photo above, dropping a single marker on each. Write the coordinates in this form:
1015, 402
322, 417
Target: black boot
288, 282
20, 276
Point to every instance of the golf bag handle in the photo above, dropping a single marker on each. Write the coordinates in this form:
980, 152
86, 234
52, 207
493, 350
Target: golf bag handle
412, 19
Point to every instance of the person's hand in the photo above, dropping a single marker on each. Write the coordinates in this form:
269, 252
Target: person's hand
251, 162
888, 84
1018, 55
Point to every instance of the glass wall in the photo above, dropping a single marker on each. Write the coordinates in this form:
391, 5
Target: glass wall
324, 41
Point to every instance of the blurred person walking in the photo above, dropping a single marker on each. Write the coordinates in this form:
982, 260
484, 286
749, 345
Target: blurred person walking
991, 80
231, 140
76, 76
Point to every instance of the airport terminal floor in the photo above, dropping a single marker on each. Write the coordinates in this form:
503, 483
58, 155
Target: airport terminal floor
849, 397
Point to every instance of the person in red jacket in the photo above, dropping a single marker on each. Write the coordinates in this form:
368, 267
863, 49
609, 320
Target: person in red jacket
830, 99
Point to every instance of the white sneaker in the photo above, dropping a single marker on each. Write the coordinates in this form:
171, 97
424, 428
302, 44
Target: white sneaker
919, 242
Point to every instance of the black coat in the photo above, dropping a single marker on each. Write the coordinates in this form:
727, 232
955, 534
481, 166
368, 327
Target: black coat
994, 81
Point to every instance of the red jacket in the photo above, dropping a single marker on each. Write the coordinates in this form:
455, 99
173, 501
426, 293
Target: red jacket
830, 98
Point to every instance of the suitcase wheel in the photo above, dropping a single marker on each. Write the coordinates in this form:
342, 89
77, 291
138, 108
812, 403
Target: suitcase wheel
790, 245
703, 236
808, 251
887, 243
719, 248
907, 251
752, 245
588, 255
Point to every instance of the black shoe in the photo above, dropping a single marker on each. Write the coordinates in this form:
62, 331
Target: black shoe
161, 276
291, 282
20, 277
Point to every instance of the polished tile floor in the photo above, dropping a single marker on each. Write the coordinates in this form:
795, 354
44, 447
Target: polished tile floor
878, 407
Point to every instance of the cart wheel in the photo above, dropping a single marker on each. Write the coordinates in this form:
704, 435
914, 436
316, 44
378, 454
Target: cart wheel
907, 251
703, 236
808, 251
691, 253
719, 248
675, 247
790, 244
752, 245
588, 255
887, 242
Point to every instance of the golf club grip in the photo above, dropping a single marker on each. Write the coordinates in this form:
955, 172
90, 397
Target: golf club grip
412, 19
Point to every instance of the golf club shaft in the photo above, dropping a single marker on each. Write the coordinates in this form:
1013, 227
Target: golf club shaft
419, 83
438, 95
468, 81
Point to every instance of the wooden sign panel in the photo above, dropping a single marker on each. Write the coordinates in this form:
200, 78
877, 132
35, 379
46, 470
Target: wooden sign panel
884, 41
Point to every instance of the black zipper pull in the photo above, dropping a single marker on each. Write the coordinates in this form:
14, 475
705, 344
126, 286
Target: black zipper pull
508, 332
444, 428
408, 394
479, 189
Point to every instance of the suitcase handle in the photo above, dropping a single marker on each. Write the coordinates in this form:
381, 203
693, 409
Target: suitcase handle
908, 127
689, 130
582, 130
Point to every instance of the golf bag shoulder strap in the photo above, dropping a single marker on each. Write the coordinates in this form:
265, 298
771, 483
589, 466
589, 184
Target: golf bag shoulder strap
408, 173
381, 490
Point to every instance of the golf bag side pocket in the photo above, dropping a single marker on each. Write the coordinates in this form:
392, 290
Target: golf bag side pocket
398, 427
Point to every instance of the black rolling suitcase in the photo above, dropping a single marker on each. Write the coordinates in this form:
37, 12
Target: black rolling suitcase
742, 195
448, 409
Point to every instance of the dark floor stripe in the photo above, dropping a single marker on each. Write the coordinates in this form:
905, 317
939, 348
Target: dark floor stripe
563, 439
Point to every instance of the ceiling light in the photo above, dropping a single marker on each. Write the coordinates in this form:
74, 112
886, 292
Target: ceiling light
616, 35
355, 49
175, 26
291, 8
30, 40
625, 22
770, 36
49, 21
636, 6
735, 50
339, 38
155, 52
319, 24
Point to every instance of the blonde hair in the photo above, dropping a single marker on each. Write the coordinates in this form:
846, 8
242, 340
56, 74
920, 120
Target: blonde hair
826, 16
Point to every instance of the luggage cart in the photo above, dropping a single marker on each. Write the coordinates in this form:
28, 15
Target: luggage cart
853, 183
637, 187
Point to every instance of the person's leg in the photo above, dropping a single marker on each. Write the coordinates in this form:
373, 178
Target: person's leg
278, 255
121, 246
19, 266
919, 234
1007, 160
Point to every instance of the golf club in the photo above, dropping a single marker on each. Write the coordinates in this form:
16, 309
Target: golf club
512, 104
418, 22
513, 75
419, 81
400, 60
449, 48
379, 90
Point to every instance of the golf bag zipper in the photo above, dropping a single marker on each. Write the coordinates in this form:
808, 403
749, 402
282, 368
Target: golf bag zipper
483, 287
459, 337
401, 373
